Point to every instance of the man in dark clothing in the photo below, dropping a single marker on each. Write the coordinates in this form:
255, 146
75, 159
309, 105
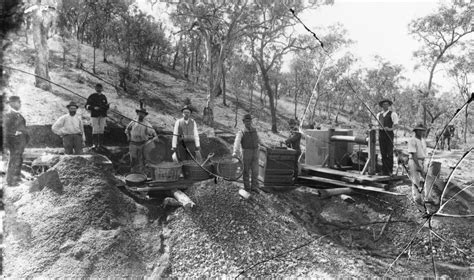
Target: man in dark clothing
293, 141
97, 104
16, 138
185, 130
389, 121
247, 139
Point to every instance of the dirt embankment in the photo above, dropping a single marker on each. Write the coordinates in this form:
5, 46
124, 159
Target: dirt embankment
84, 228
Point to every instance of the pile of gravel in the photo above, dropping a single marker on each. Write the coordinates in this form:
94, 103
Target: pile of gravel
87, 228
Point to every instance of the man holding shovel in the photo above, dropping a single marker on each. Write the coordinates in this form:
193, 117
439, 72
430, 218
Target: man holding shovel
185, 143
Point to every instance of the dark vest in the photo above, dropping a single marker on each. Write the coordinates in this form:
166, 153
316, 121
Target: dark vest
186, 131
387, 120
249, 139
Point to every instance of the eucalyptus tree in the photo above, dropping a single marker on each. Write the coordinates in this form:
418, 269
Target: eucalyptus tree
462, 72
271, 38
43, 14
220, 24
439, 32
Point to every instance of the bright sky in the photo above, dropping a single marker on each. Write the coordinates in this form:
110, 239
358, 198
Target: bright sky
380, 28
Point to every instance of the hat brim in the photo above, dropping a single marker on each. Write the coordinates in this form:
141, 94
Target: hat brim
383, 101
189, 109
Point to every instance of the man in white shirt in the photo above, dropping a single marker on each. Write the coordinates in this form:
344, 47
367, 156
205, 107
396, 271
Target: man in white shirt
185, 135
388, 122
138, 133
418, 153
71, 129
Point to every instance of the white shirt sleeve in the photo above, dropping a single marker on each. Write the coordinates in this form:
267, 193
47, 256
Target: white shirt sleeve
395, 118
376, 121
58, 126
174, 141
412, 145
149, 130
81, 125
196, 135
237, 143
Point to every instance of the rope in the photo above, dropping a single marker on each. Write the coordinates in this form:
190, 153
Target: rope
76, 94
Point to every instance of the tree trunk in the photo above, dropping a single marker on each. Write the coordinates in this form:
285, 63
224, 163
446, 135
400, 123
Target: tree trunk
41, 25
268, 88
223, 86
78, 51
175, 59
466, 119
93, 60
251, 96
236, 108
104, 52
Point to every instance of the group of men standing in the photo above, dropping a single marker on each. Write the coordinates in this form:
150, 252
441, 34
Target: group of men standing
417, 150
185, 142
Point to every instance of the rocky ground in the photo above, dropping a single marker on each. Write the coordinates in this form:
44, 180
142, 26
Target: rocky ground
85, 226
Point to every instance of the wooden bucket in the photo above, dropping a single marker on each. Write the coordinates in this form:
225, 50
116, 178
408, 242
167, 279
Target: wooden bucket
193, 171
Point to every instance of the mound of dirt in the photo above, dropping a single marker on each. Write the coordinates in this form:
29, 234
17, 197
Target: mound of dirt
90, 229
298, 234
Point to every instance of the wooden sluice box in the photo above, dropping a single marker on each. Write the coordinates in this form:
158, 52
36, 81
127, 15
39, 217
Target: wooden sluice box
277, 166
328, 162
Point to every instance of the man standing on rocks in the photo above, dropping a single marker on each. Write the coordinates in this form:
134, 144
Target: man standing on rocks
97, 104
71, 129
138, 133
247, 139
185, 135
389, 121
418, 153
16, 138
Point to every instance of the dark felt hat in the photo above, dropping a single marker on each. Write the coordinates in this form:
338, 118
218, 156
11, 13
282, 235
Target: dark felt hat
419, 126
13, 98
72, 104
187, 107
247, 117
143, 110
385, 100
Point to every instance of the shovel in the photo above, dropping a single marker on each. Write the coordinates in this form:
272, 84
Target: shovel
209, 156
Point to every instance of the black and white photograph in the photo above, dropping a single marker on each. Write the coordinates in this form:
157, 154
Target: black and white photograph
237, 139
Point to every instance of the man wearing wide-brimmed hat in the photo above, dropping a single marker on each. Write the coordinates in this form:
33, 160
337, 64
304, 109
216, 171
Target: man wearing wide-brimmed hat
247, 139
186, 136
138, 133
16, 138
71, 129
418, 153
387, 122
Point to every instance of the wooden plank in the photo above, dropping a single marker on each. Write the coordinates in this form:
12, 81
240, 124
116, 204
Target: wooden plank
347, 185
157, 188
359, 177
